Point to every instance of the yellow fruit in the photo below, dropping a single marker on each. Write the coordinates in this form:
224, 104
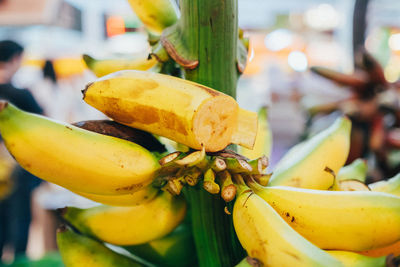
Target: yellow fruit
107, 66
352, 259
74, 158
183, 111
339, 220
310, 164
156, 14
263, 143
80, 251
391, 186
132, 199
130, 225
268, 238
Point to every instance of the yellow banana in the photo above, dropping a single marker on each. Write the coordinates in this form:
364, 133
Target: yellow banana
183, 111
132, 199
74, 158
106, 66
156, 14
393, 249
175, 249
268, 238
338, 220
357, 170
391, 186
309, 164
263, 143
351, 259
130, 225
80, 251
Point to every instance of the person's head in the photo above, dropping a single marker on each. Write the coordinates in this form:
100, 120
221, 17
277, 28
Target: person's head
10, 58
48, 71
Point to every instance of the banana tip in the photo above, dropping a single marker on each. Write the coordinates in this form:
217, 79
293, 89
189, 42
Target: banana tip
86, 88
63, 228
3, 105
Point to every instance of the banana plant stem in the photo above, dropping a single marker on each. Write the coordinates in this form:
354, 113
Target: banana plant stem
209, 33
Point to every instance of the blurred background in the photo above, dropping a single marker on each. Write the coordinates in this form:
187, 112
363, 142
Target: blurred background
287, 37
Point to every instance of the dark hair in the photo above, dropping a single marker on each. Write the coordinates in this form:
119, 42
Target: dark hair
9, 49
48, 71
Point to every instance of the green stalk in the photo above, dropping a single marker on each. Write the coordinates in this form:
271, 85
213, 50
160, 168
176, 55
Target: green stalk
204, 42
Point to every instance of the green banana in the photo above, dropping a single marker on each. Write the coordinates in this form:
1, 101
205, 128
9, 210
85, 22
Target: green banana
339, 220
129, 225
175, 249
391, 186
351, 259
357, 170
74, 158
310, 164
268, 238
80, 251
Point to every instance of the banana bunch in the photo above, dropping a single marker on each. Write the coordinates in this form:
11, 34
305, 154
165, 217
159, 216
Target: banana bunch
102, 67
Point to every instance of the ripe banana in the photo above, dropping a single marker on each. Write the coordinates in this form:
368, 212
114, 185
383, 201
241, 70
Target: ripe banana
75, 158
391, 186
186, 112
357, 170
144, 195
393, 249
156, 14
268, 238
175, 249
106, 66
339, 220
263, 143
351, 259
309, 164
130, 225
80, 251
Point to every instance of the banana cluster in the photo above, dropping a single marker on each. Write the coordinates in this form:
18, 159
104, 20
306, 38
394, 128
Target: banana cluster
318, 219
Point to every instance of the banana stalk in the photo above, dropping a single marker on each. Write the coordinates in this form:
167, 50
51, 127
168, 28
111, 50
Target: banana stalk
391, 186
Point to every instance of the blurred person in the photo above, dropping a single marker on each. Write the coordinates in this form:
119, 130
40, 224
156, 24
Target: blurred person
15, 210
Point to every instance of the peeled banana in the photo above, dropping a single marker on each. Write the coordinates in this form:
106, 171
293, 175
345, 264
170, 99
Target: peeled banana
183, 111
80, 251
314, 163
339, 220
263, 143
391, 186
268, 238
130, 225
156, 14
106, 66
74, 158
